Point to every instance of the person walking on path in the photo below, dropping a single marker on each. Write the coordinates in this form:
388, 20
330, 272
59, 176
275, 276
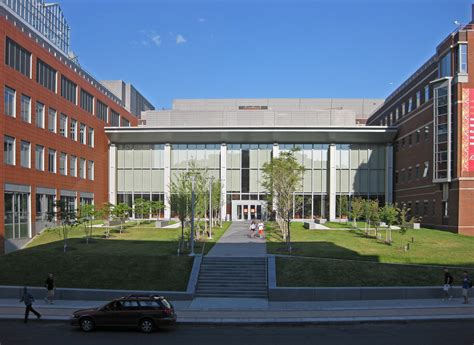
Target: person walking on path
448, 282
28, 299
261, 227
252, 229
49, 284
466, 285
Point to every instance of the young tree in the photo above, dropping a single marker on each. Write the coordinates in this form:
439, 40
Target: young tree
104, 213
389, 216
375, 215
405, 221
357, 209
281, 178
122, 212
180, 200
86, 214
367, 214
65, 218
142, 209
156, 207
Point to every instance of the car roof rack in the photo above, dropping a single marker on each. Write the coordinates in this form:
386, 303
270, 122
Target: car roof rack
143, 296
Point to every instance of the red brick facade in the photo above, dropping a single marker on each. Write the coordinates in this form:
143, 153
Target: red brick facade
20, 130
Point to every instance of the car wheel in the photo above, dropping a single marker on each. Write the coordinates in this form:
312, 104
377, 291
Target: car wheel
87, 324
146, 325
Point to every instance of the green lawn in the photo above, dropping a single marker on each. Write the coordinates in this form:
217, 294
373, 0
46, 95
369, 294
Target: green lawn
139, 258
345, 225
429, 247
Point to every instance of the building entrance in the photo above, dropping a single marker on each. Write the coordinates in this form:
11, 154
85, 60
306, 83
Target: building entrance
248, 209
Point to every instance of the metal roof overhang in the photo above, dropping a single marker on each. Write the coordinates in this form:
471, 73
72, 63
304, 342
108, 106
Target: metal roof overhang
344, 135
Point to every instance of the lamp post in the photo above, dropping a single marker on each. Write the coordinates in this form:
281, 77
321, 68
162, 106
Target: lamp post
193, 177
211, 180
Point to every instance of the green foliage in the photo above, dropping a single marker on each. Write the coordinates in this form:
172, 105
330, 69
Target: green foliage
86, 215
122, 212
405, 221
65, 218
389, 214
357, 209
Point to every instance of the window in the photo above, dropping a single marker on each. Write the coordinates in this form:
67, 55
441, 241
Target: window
90, 137
87, 101
409, 174
426, 169
63, 125
417, 171
403, 143
114, 118
9, 100
417, 136
63, 163
125, 123
18, 57
52, 160
409, 140
45, 75
418, 98
82, 134
410, 104
90, 170
396, 176
101, 111
39, 157
9, 150
25, 110
73, 130
68, 89
72, 166
52, 120
402, 176
427, 93
397, 115
427, 133
462, 54
403, 109
39, 115
25, 154
82, 168
425, 207
444, 67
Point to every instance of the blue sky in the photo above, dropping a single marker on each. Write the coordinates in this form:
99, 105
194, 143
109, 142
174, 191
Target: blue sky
260, 48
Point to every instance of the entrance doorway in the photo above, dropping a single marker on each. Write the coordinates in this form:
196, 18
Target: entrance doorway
248, 209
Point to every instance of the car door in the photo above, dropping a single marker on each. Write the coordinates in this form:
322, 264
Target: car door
131, 312
109, 315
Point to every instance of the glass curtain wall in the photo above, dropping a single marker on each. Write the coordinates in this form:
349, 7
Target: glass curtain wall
17, 215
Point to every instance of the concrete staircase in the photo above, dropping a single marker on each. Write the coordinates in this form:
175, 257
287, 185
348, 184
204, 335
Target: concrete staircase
244, 277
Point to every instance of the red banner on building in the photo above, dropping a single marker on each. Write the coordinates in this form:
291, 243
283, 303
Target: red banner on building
468, 130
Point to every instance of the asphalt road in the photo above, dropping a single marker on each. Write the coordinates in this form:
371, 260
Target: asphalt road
419, 333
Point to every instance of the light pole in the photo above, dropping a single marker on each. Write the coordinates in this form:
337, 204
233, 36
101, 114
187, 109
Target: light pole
193, 177
211, 180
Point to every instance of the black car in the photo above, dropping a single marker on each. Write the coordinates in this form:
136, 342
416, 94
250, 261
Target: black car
143, 312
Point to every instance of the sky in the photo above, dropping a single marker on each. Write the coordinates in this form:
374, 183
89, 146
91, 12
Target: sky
260, 48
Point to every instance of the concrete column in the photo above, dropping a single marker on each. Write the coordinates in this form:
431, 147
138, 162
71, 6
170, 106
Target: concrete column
389, 173
332, 181
112, 174
167, 180
223, 181
276, 154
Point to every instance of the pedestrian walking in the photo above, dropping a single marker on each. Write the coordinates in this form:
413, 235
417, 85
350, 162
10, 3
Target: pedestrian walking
261, 228
28, 299
253, 227
466, 285
49, 285
448, 282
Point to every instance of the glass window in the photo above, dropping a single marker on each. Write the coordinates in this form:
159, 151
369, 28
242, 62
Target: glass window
114, 118
90, 170
427, 93
52, 120
9, 102
63, 163
462, 53
426, 169
397, 114
90, 138
63, 125
39, 157
82, 168
418, 98
9, 150
125, 122
410, 104
444, 67
39, 115
45, 75
68, 89
52, 160
72, 166
403, 109
82, 134
17, 57
25, 154
73, 130
25, 108
101, 111
87, 101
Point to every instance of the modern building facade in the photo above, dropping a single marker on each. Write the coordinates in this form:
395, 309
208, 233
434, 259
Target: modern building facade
434, 149
52, 122
232, 140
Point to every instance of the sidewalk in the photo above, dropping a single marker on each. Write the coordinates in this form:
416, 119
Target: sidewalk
260, 311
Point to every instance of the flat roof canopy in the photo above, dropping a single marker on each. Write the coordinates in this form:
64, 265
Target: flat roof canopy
344, 135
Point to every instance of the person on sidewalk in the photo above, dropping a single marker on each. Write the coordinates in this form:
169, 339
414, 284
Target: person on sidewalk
49, 284
466, 285
28, 299
448, 282
252, 229
261, 227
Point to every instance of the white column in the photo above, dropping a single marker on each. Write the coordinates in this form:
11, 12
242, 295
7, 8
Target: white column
167, 180
276, 154
389, 173
112, 174
223, 181
332, 182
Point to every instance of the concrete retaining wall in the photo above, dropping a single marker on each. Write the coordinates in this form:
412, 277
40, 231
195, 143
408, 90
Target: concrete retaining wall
348, 293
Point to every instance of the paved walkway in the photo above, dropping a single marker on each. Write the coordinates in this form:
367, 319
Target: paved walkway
226, 310
236, 243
